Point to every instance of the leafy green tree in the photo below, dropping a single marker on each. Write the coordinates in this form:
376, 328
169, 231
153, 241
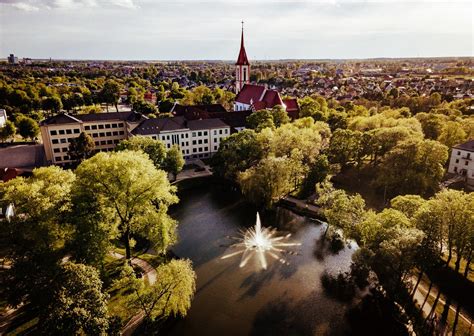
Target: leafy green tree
237, 153
133, 193
268, 182
7, 131
77, 304
52, 104
171, 295
110, 93
27, 127
260, 119
344, 146
315, 108
81, 148
412, 166
143, 107
318, 172
174, 161
452, 134
155, 149
279, 115
407, 204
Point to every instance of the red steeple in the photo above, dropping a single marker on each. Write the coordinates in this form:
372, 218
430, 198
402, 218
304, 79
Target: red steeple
242, 59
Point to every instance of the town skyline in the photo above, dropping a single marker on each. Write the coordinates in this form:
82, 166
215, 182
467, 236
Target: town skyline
317, 30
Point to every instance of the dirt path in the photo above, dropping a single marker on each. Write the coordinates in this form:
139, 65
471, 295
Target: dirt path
150, 276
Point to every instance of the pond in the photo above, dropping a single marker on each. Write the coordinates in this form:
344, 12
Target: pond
284, 299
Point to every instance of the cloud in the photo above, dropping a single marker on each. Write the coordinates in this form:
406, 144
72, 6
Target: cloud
35, 5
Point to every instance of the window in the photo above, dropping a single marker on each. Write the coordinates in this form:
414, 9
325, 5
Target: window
102, 134
103, 142
61, 131
205, 132
116, 141
109, 142
215, 132
107, 126
200, 141
101, 126
94, 127
53, 132
459, 153
466, 163
205, 140
167, 137
206, 149
115, 133
455, 169
457, 160
58, 158
114, 125
66, 157
194, 150
121, 132
63, 141
215, 148
220, 131
108, 133
56, 150
87, 128
199, 133
94, 135
65, 149
194, 134
97, 143
182, 135
168, 145
77, 130
68, 131
55, 141
120, 125
226, 131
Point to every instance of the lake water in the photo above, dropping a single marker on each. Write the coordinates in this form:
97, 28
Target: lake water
229, 300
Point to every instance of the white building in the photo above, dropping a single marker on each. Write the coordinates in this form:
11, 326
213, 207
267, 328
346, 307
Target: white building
196, 138
462, 161
3, 117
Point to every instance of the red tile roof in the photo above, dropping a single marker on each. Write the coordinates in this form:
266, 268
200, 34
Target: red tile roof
250, 92
272, 98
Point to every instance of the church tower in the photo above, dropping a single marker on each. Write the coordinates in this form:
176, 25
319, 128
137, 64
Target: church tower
242, 66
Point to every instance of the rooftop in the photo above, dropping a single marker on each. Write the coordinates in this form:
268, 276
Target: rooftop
64, 118
467, 146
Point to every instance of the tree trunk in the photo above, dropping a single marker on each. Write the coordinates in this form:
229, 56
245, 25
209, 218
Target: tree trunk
444, 315
116, 107
468, 265
450, 256
107, 107
128, 253
456, 318
458, 263
435, 303
427, 295
417, 283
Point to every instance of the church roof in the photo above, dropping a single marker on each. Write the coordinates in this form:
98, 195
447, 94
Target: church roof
250, 94
242, 59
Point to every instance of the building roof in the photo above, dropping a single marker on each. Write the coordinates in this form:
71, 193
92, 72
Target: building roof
250, 94
157, 125
467, 146
64, 118
206, 124
197, 111
242, 59
26, 157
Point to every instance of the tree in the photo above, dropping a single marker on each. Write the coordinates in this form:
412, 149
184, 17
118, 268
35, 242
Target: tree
260, 119
143, 107
268, 182
452, 134
344, 146
27, 127
318, 172
171, 295
237, 153
110, 93
7, 131
315, 108
38, 234
413, 166
81, 148
155, 149
52, 104
279, 115
133, 193
174, 161
77, 304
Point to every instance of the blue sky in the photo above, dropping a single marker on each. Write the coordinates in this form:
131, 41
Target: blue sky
192, 29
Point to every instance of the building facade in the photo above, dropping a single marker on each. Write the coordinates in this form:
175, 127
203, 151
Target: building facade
195, 138
462, 161
106, 129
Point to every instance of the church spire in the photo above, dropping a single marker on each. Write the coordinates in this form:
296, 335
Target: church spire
242, 59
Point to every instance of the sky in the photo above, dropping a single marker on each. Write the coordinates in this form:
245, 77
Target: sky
210, 29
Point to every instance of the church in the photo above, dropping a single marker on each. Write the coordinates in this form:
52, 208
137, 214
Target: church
256, 97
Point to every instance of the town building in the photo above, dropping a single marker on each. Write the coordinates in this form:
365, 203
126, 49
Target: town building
196, 138
107, 130
12, 59
462, 161
3, 117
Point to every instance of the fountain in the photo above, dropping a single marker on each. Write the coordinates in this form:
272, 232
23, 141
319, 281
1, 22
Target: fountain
260, 242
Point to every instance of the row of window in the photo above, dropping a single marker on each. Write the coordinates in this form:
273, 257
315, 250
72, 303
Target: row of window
66, 157
63, 141
102, 126
103, 134
62, 132
465, 163
107, 142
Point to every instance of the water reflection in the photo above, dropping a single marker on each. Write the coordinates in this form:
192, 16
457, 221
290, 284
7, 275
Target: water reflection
281, 300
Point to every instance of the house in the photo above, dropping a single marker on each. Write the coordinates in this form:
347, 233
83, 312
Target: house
23, 157
462, 161
199, 138
107, 130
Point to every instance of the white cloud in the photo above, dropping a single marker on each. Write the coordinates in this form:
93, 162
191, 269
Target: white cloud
34, 5
24, 7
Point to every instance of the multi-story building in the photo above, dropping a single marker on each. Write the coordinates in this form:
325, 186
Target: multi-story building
107, 130
196, 138
462, 161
